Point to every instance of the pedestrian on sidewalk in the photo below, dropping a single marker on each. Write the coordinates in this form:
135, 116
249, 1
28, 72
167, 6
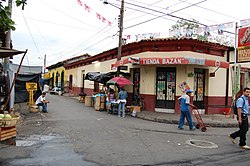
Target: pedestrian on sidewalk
122, 96
242, 118
41, 101
185, 110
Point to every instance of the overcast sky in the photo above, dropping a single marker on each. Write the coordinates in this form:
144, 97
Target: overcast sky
62, 29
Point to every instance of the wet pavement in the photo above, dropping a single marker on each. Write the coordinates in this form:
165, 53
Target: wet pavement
48, 150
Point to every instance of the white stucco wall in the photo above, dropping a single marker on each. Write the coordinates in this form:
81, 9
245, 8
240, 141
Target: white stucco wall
215, 86
245, 67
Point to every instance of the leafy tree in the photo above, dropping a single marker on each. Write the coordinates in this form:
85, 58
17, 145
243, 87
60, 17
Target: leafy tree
6, 23
188, 29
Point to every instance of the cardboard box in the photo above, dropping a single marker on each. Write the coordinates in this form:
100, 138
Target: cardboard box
102, 105
98, 99
103, 99
88, 101
137, 108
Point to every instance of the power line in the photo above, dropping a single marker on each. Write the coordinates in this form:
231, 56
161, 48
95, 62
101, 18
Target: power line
211, 10
165, 14
67, 14
32, 39
49, 22
111, 28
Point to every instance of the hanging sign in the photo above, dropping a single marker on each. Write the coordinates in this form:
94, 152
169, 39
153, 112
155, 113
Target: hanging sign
244, 44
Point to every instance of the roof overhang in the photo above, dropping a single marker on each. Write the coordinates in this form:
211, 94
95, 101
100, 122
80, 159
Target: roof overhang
5, 52
171, 61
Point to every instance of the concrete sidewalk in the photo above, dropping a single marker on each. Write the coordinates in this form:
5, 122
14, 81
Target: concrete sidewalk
210, 120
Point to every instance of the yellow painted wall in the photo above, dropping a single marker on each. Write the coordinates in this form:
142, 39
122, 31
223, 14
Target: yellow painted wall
59, 70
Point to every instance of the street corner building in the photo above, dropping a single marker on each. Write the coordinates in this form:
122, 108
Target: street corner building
161, 70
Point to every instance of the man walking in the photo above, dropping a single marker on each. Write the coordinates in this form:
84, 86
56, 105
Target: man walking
185, 110
242, 117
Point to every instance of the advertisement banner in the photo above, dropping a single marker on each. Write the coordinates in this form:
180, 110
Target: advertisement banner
244, 37
244, 44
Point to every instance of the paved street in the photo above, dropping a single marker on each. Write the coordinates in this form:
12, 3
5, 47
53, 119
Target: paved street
72, 134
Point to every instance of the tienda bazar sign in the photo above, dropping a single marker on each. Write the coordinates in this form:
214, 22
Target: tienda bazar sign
161, 61
171, 61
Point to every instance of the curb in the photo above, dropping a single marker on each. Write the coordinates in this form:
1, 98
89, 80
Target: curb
170, 121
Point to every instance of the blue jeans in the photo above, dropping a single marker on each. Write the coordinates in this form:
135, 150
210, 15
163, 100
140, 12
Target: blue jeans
44, 105
187, 115
121, 106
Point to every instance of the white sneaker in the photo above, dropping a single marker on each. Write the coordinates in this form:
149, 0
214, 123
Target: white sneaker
246, 147
232, 140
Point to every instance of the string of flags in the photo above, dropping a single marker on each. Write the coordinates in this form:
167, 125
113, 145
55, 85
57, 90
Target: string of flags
206, 30
142, 36
90, 10
220, 28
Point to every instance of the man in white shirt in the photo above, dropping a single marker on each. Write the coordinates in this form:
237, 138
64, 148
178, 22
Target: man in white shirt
42, 102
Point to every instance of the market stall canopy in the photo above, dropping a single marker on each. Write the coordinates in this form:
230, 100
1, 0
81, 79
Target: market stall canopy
102, 77
121, 81
5, 52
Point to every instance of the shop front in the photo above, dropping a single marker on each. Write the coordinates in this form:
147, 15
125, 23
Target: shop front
159, 70
159, 81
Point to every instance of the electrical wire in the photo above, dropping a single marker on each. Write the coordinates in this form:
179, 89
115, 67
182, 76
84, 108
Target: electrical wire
165, 14
32, 40
78, 46
67, 14
212, 10
113, 35
171, 16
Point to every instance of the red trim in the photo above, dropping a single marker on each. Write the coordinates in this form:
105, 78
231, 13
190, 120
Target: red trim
156, 45
173, 60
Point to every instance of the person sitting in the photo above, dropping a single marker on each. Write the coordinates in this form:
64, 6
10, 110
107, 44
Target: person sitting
111, 98
42, 102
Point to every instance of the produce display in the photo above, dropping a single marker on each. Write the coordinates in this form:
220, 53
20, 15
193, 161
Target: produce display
7, 120
2, 116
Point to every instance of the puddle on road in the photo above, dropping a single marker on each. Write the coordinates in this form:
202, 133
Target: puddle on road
29, 141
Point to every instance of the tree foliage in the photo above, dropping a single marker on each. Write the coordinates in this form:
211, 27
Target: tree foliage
184, 28
6, 23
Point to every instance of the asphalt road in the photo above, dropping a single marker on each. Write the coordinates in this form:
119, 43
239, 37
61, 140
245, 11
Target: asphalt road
72, 134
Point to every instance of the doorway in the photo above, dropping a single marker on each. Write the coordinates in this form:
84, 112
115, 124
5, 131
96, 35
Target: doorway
136, 82
199, 88
165, 87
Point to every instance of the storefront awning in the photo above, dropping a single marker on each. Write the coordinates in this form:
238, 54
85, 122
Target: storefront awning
5, 52
171, 61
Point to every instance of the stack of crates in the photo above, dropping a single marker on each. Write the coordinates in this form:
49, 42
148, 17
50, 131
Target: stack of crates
100, 103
